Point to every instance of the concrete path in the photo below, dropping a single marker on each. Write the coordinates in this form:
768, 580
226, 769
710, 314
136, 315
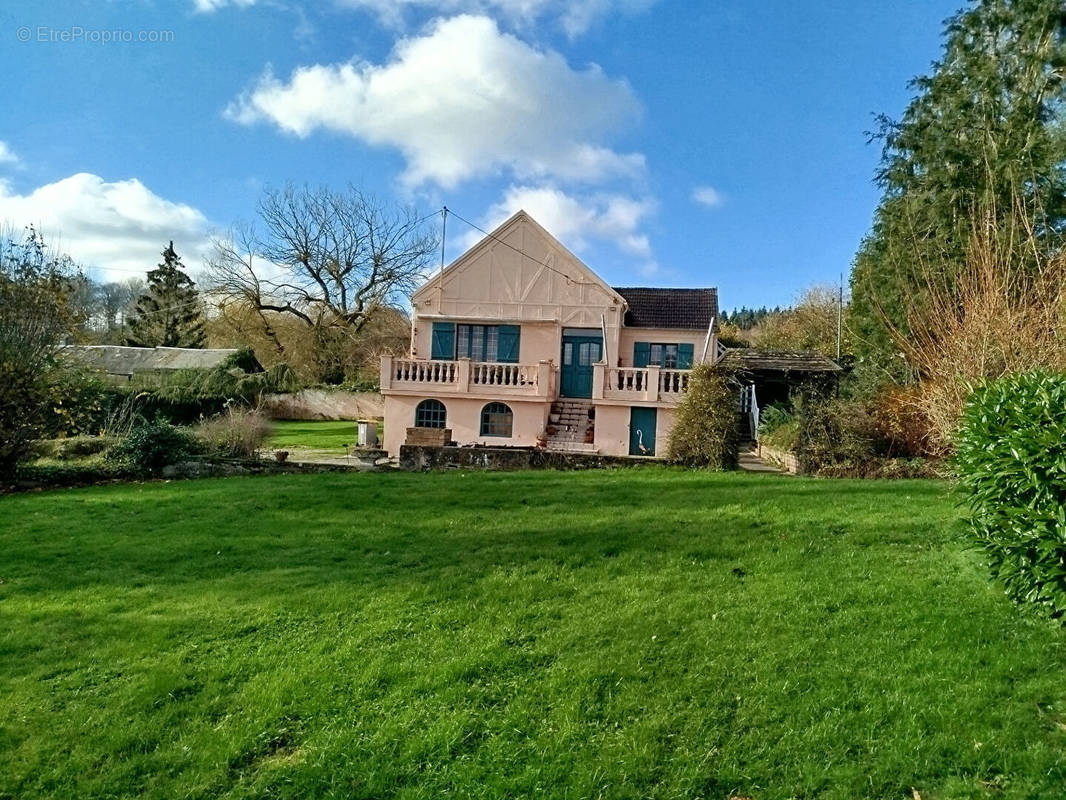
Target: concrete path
750, 462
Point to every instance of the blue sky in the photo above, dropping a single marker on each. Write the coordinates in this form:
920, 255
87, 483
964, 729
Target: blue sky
668, 142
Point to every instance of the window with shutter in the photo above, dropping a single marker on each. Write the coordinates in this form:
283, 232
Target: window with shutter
508, 343
443, 341
641, 354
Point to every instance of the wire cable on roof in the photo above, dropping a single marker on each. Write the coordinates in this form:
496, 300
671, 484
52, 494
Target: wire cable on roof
537, 261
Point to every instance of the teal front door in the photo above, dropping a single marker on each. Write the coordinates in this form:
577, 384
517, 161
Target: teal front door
642, 431
579, 354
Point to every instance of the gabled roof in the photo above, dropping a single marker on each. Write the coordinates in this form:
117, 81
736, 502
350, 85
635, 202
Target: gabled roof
750, 360
582, 271
117, 360
669, 308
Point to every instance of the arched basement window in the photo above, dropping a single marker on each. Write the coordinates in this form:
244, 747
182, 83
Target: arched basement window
430, 414
496, 420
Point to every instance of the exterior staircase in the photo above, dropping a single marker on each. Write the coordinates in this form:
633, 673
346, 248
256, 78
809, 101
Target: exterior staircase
575, 426
747, 435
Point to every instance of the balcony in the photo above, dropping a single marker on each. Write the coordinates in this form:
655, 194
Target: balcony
417, 376
540, 380
639, 384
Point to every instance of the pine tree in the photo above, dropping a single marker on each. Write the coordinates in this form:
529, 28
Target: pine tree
982, 141
169, 313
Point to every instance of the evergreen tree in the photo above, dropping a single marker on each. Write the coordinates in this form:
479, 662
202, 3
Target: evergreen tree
982, 142
169, 313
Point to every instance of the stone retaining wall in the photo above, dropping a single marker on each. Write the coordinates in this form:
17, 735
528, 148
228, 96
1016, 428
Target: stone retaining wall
223, 468
417, 458
787, 460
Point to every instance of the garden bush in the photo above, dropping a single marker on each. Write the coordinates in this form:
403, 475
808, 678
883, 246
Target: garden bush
901, 422
77, 403
237, 433
833, 433
778, 427
186, 396
880, 467
243, 360
76, 447
152, 446
56, 475
1011, 459
705, 432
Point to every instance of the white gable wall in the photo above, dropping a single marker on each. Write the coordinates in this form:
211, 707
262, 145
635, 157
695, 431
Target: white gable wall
522, 275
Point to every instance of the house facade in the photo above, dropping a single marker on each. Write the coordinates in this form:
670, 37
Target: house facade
518, 343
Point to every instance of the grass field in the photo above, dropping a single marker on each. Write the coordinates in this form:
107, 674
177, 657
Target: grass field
320, 436
626, 634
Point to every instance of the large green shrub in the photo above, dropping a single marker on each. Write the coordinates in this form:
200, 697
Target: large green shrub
152, 446
705, 432
78, 402
35, 315
244, 360
778, 427
71, 474
1012, 467
186, 396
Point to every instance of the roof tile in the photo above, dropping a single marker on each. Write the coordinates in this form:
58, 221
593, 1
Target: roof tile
669, 308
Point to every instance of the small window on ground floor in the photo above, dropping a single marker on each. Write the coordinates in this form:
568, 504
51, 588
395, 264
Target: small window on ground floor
431, 414
496, 420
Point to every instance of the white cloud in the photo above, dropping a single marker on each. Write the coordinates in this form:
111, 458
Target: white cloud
209, 6
576, 221
119, 227
461, 101
573, 16
7, 155
708, 196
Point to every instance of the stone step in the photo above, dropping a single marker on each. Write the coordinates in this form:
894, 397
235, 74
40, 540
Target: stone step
572, 447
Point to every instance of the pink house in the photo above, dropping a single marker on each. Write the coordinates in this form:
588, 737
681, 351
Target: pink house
518, 343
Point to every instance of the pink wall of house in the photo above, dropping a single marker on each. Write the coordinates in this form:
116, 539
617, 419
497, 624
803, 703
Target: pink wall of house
612, 429
464, 420
629, 336
521, 275
538, 341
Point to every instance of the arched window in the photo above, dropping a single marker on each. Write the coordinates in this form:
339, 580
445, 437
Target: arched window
430, 414
496, 420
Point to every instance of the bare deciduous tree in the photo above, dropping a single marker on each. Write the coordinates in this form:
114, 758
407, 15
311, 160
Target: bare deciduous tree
329, 259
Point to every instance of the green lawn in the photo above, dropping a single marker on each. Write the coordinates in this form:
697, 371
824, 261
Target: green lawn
624, 634
326, 436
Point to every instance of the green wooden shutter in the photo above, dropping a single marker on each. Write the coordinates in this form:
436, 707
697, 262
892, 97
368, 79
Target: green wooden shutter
684, 355
443, 341
507, 343
641, 354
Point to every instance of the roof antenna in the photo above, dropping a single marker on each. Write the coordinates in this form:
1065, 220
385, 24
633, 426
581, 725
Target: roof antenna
443, 234
840, 315
440, 274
